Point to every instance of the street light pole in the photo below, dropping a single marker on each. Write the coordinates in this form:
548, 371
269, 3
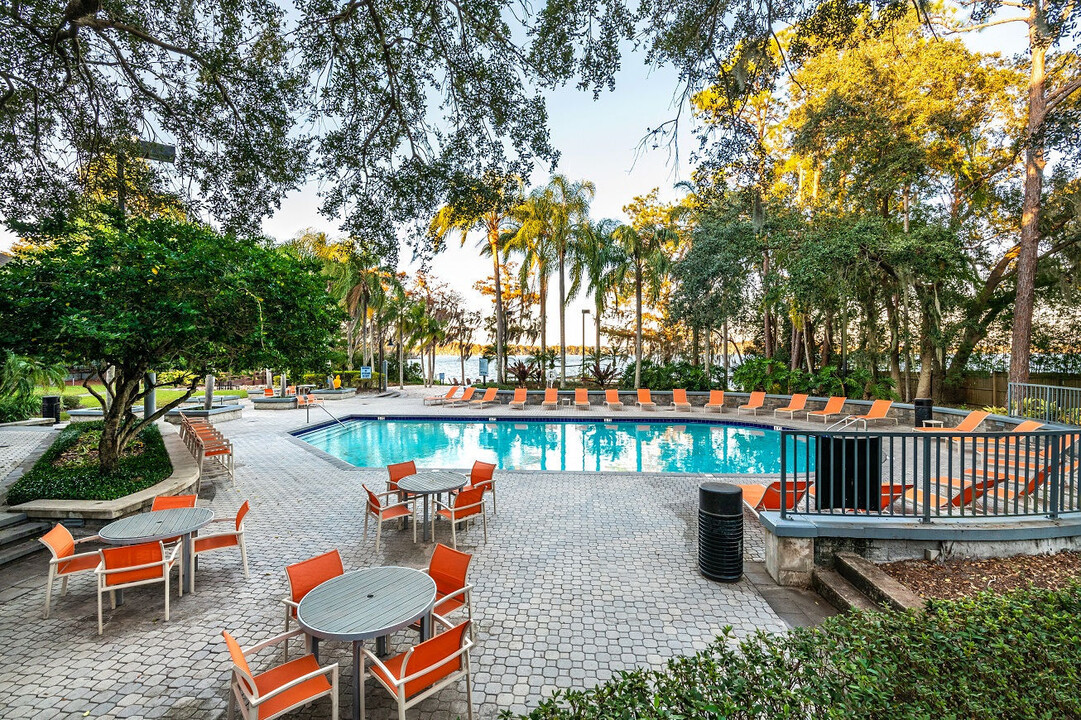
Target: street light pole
582, 372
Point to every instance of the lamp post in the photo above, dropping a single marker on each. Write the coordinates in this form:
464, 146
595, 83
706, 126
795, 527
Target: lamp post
582, 372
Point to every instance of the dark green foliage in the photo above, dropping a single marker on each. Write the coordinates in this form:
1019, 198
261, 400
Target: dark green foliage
19, 407
774, 376
994, 656
413, 372
658, 376
145, 463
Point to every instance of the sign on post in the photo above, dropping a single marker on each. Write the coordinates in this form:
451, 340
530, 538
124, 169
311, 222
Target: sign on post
483, 370
365, 372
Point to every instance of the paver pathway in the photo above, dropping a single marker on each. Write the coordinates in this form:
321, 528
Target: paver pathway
582, 575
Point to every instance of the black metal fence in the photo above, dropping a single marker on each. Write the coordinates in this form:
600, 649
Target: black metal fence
1051, 403
914, 475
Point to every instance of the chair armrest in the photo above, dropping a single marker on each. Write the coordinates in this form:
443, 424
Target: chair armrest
290, 603
272, 641
408, 501
74, 556
376, 661
458, 507
88, 539
168, 562
464, 590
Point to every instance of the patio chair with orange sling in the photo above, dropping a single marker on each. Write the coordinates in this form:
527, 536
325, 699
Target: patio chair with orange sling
449, 567
768, 497
612, 401
464, 505
645, 400
797, 403
755, 403
228, 539
581, 399
482, 476
133, 565
519, 400
172, 502
716, 401
466, 398
305, 575
275, 692
384, 513
680, 401
440, 399
268, 392
65, 562
424, 669
834, 406
879, 411
398, 471
551, 399
967, 425
487, 399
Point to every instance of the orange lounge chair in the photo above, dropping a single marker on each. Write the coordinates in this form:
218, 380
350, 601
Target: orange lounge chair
768, 497
879, 411
969, 424
798, 403
1011, 441
834, 406
965, 492
645, 401
308, 400
581, 399
519, 400
465, 399
440, 399
758, 398
611, 400
551, 399
679, 400
488, 399
716, 401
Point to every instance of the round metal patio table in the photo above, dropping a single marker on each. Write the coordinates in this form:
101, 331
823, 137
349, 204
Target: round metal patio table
431, 482
160, 525
365, 604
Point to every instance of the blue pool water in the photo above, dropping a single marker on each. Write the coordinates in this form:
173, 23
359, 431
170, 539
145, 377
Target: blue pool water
590, 446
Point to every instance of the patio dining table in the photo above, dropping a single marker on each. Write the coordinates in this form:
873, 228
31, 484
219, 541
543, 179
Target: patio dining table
161, 525
365, 604
431, 482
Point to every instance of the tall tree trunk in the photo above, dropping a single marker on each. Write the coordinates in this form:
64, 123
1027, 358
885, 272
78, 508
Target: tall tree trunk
401, 358
637, 323
694, 346
350, 326
826, 353
895, 343
365, 358
543, 313
493, 241
709, 332
599, 303
727, 362
767, 320
562, 321
1030, 213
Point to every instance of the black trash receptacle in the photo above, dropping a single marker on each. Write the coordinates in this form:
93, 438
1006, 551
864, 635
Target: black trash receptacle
50, 407
720, 531
922, 411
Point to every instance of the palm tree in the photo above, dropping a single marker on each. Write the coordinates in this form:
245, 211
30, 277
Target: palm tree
645, 246
405, 314
599, 263
570, 213
531, 235
452, 219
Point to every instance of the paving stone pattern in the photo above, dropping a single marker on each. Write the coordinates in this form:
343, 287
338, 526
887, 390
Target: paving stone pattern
16, 445
582, 575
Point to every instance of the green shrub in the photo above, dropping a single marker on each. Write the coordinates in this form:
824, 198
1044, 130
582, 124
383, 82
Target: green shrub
773, 376
14, 408
71, 402
671, 375
1016, 655
174, 377
145, 462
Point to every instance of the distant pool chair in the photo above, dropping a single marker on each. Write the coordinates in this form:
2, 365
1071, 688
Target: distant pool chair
796, 404
680, 401
716, 401
519, 400
612, 401
756, 402
551, 399
581, 399
645, 400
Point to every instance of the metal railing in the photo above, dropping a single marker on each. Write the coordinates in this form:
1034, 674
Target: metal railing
924, 476
1050, 403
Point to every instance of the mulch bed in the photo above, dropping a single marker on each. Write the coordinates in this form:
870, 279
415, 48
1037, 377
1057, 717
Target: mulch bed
964, 577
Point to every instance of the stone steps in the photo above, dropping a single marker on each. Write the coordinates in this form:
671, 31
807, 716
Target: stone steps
875, 583
18, 537
839, 592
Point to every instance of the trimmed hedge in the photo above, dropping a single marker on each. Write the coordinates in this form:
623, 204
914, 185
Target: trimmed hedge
81, 480
1016, 655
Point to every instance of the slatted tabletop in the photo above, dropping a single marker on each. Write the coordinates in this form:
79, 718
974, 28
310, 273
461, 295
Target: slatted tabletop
147, 527
366, 604
432, 481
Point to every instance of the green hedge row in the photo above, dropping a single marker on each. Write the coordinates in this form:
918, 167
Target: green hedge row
81, 480
1016, 655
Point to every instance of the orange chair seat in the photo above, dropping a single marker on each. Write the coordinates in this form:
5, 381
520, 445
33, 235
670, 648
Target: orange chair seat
213, 542
753, 494
393, 512
458, 514
448, 605
217, 450
78, 564
282, 674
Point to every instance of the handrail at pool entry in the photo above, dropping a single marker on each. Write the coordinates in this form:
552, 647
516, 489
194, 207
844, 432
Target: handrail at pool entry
1052, 403
928, 477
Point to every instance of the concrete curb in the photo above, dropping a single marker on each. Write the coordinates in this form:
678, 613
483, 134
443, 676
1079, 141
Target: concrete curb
184, 477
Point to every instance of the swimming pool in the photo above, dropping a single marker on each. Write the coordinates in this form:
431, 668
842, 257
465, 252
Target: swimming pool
558, 445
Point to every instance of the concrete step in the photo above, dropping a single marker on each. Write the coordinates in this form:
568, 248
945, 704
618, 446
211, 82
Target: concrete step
9, 518
838, 592
11, 553
21, 531
875, 583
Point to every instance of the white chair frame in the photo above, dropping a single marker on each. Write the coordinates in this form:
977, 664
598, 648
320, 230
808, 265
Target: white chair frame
408, 502
54, 565
454, 520
240, 681
397, 688
240, 542
166, 564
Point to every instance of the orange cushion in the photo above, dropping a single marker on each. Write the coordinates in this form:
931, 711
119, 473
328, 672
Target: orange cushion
425, 655
460, 514
397, 511
282, 674
213, 542
448, 605
78, 564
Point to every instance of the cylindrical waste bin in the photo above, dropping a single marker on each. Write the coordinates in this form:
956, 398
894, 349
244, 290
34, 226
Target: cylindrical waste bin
923, 411
720, 531
50, 407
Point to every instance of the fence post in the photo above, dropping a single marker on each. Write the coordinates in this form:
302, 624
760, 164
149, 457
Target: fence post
1058, 471
926, 442
784, 474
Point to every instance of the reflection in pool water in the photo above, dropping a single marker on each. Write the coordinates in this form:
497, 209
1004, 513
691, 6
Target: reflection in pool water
589, 446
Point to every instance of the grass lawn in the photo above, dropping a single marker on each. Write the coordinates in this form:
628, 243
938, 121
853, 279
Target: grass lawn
69, 468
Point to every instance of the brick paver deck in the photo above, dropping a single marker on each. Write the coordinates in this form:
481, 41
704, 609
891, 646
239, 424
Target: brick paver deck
582, 575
